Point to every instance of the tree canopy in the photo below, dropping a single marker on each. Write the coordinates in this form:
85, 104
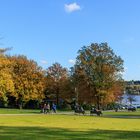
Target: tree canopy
102, 69
56, 78
6, 80
95, 78
29, 79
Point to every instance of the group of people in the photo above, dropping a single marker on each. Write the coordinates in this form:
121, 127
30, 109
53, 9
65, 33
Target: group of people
94, 110
79, 108
46, 108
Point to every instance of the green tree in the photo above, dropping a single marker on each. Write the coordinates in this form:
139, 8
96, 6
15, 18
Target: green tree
80, 86
102, 69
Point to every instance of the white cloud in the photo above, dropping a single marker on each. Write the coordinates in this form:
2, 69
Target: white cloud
71, 61
44, 62
72, 7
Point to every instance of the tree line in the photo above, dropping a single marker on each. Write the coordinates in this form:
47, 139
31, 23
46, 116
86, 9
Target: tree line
95, 79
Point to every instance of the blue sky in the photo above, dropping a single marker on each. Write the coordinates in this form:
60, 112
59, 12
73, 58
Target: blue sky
54, 30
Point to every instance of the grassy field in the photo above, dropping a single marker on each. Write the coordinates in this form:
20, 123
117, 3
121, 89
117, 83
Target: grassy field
30, 125
19, 111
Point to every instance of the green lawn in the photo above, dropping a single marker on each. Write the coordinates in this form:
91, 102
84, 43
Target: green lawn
110, 126
18, 111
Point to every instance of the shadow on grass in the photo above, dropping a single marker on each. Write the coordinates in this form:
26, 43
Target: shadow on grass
42, 133
122, 115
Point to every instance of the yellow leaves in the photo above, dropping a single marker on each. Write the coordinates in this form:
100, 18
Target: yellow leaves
6, 82
28, 78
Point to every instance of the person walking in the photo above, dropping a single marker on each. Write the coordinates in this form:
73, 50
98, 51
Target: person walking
54, 107
48, 108
45, 108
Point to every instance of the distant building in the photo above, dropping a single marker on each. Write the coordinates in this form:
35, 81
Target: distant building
132, 87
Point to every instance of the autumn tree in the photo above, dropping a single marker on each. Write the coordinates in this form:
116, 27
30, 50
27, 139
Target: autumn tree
6, 81
29, 80
79, 85
102, 69
56, 79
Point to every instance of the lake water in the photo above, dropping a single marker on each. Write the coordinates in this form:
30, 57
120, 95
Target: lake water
136, 97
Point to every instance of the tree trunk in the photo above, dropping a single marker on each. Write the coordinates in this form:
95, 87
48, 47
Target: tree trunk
20, 106
57, 96
20, 103
98, 102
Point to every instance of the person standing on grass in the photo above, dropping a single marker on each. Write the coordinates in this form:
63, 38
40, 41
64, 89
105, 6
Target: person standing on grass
54, 107
48, 108
42, 108
45, 108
